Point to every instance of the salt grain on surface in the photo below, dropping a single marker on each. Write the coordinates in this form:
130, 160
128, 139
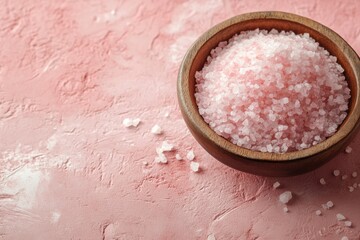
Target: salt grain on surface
318, 212
161, 158
340, 217
285, 209
285, 197
343, 177
348, 149
348, 223
344, 238
354, 174
178, 157
166, 147
330, 204
336, 173
272, 92
276, 185
194, 166
190, 155
156, 129
351, 188
322, 181
128, 122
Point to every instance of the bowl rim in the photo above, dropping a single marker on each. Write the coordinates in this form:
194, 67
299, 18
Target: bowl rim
349, 125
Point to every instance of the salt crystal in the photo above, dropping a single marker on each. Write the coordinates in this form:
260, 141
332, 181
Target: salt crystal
190, 155
322, 181
285, 197
340, 217
354, 174
344, 238
145, 163
166, 147
194, 166
329, 204
276, 185
166, 114
355, 185
285, 209
348, 223
336, 173
343, 177
178, 157
351, 188
161, 158
348, 149
128, 122
318, 212
156, 129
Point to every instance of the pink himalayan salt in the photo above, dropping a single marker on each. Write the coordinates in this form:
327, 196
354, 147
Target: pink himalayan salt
348, 149
272, 92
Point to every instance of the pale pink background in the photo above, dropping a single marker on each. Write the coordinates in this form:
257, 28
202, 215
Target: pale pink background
71, 71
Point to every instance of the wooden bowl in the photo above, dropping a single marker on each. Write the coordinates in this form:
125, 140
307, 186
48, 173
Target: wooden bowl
260, 163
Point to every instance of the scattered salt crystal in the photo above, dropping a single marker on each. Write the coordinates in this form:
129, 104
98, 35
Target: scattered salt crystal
285, 209
293, 94
354, 174
166, 147
190, 155
156, 129
344, 177
344, 238
322, 181
178, 157
285, 197
145, 163
336, 173
161, 158
351, 188
340, 217
329, 204
348, 149
128, 122
318, 212
167, 114
194, 166
276, 185
355, 185
211, 237
348, 223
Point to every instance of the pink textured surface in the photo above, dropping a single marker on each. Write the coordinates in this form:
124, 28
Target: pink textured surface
71, 71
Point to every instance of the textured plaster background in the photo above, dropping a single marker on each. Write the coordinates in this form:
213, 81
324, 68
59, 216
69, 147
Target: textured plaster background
71, 71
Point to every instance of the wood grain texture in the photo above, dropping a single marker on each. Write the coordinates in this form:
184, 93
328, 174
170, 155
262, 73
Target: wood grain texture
268, 164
